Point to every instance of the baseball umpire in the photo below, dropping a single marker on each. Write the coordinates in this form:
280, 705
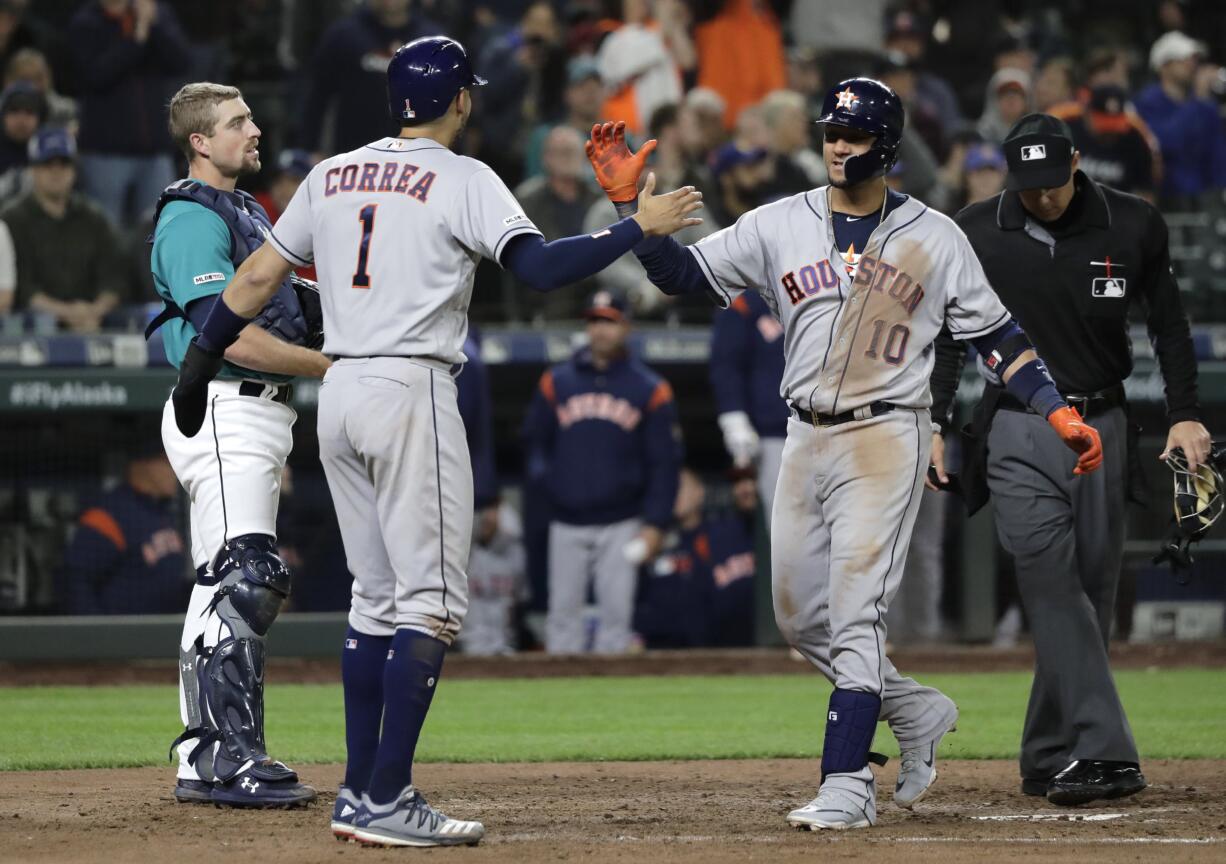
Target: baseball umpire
396, 229
862, 279
204, 229
1069, 257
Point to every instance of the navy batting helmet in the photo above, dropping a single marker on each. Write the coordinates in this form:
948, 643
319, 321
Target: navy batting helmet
424, 76
872, 107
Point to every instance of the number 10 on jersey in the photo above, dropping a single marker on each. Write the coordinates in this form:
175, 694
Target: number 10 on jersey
361, 279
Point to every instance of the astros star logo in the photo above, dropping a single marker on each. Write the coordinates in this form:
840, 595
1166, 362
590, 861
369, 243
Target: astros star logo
847, 99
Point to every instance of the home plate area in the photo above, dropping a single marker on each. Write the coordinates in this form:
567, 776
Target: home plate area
709, 811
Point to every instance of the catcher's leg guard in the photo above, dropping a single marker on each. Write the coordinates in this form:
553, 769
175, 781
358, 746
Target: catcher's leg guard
253, 583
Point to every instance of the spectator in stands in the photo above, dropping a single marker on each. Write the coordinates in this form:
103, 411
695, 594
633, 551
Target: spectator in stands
740, 54
781, 176
907, 34
845, 27
126, 554
1006, 102
673, 169
699, 591
527, 73
346, 78
135, 51
896, 71
1114, 143
741, 176
22, 110
292, 168
789, 126
1055, 84
557, 202
701, 124
983, 172
602, 428
639, 63
69, 261
1187, 125
582, 98
19, 30
30, 65
805, 77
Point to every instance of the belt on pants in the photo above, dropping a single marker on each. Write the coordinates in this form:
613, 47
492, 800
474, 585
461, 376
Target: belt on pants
276, 392
1087, 404
875, 409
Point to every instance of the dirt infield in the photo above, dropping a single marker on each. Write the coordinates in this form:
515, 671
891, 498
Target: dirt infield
753, 661
649, 811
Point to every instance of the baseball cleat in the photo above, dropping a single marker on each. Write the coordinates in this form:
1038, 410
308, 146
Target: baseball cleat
838, 806
193, 791
253, 789
344, 812
918, 766
1087, 780
410, 821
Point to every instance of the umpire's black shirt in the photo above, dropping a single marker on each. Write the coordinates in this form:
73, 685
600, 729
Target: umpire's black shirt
1069, 284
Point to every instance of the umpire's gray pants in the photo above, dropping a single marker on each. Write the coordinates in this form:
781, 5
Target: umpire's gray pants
1066, 535
580, 555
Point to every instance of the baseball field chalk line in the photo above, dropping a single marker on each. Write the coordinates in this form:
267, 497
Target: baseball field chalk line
860, 835
1051, 817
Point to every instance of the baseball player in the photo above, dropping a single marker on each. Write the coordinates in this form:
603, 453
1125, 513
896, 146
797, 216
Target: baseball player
862, 279
395, 230
602, 428
204, 230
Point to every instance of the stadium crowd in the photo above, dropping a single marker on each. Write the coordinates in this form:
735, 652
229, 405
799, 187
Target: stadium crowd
729, 88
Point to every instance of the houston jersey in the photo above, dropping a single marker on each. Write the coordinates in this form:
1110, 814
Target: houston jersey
862, 333
395, 230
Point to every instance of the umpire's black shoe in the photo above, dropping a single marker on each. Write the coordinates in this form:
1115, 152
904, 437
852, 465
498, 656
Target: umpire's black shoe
1035, 786
193, 791
1092, 779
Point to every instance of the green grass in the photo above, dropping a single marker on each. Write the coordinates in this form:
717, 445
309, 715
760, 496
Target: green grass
1174, 713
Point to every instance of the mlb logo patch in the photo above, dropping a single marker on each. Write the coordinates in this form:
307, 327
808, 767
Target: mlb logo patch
1034, 151
1111, 286
351, 644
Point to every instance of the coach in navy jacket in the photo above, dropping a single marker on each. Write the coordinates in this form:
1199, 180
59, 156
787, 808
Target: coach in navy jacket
746, 369
602, 432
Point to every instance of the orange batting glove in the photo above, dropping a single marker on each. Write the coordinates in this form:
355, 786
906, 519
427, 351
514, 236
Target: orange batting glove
617, 169
1080, 437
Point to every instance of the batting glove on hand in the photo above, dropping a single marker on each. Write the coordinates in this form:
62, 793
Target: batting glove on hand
617, 169
740, 438
1079, 437
191, 394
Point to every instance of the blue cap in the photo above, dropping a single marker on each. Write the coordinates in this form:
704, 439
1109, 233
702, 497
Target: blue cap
607, 306
730, 155
295, 162
47, 144
984, 156
581, 68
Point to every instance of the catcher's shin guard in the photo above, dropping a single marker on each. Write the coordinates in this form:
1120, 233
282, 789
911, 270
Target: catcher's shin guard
253, 585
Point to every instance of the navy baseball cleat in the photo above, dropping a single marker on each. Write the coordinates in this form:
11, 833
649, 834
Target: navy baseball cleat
267, 786
344, 812
410, 821
193, 791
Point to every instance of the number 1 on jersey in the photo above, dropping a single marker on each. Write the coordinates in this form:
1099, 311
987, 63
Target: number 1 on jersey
361, 279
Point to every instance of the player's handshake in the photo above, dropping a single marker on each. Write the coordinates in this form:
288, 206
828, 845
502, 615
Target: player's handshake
618, 170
